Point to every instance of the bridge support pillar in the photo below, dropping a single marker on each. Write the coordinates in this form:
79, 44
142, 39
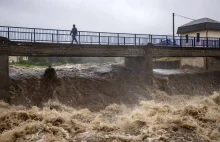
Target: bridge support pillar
142, 66
4, 78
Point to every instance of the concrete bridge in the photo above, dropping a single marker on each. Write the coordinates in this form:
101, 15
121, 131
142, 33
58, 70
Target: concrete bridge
138, 50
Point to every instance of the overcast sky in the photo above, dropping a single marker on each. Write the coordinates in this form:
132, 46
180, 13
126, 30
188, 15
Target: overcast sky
130, 16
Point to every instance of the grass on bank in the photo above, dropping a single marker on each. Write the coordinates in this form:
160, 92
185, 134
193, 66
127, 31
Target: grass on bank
167, 59
28, 66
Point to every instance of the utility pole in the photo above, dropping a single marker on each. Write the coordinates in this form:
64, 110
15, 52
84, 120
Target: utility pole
174, 42
173, 29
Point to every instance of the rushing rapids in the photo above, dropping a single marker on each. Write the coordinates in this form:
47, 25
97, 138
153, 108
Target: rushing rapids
110, 103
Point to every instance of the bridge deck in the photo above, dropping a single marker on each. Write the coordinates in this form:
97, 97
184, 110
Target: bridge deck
92, 50
52, 42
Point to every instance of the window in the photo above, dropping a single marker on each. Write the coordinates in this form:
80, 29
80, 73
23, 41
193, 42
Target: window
198, 37
187, 38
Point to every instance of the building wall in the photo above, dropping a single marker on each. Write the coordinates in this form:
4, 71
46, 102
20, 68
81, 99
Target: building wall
25, 58
214, 34
203, 34
199, 62
13, 59
16, 58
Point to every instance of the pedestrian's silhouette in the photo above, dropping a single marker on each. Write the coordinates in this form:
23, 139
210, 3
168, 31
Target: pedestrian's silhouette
74, 33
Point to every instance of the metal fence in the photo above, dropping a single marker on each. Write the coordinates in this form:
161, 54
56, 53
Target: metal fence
105, 38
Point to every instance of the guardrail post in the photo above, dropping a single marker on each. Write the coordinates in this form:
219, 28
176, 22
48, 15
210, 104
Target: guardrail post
31, 36
8, 33
207, 42
108, 40
118, 39
34, 35
166, 41
135, 39
79, 38
151, 39
90, 39
124, 40
52, 38
219, 42
99, 38
57, 36
194, 42
180, 41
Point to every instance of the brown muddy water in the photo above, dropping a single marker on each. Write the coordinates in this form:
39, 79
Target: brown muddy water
109, 103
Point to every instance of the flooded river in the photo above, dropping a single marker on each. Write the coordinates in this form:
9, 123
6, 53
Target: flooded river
110, 103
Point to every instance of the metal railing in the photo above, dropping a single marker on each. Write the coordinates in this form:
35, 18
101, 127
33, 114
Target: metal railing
105, 38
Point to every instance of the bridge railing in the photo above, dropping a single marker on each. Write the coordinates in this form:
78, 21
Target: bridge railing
107, 38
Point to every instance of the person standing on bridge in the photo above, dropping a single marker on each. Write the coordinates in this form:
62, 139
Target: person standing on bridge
74, 33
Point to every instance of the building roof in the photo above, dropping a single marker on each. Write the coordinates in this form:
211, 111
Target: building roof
199, 25
199, 21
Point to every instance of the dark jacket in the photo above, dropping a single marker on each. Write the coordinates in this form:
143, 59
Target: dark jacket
74, 31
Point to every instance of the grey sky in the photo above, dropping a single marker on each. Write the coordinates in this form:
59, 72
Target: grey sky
130, 16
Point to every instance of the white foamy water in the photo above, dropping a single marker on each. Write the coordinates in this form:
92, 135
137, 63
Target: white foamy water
196, 120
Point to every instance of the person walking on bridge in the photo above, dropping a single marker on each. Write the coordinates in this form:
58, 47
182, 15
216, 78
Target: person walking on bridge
74, 33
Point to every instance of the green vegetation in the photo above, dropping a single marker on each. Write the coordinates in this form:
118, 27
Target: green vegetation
28, 66
47, 61
167, 59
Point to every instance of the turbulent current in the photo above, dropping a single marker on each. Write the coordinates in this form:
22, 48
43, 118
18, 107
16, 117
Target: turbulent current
110, 103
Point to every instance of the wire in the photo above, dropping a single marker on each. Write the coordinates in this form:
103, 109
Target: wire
184, 17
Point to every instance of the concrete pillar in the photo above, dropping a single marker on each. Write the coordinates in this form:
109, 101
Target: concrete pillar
143, 66
149, 69
4, 78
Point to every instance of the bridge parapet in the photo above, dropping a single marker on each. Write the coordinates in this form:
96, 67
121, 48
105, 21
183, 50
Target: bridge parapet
104, 38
